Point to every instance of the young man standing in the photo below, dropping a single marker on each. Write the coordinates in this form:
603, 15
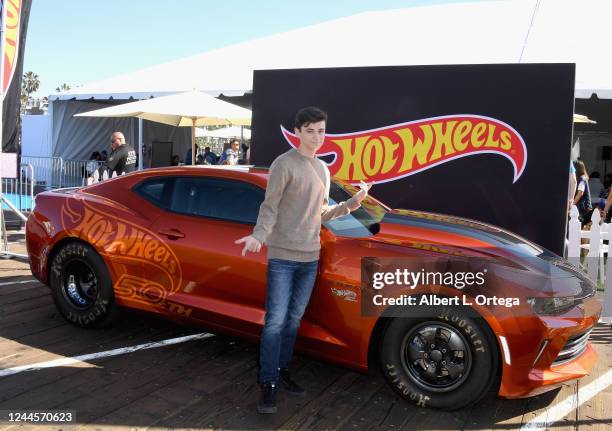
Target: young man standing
289, 223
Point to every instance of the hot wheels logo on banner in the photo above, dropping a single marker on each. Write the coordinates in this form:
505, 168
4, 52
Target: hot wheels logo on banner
399, 150
11, 40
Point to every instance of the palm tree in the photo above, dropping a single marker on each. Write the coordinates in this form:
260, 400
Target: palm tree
30, 82
62, 88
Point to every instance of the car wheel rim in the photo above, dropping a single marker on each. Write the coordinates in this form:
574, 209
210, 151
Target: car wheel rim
79, 284
436, 356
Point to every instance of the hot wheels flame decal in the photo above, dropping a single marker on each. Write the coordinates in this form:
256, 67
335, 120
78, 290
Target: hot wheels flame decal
11, 40
399, 150
120, 240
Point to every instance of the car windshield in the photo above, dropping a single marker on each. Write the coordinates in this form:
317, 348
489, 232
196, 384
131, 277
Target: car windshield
364, 221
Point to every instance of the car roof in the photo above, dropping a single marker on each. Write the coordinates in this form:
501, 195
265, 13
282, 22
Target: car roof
260, 171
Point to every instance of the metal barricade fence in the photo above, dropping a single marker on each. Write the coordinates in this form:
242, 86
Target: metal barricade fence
48, 171
75, 172
20, 191
55, 172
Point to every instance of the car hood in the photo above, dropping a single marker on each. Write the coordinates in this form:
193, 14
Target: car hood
514, 256
460, 232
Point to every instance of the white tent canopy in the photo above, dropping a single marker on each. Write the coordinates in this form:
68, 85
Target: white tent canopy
188, 109
505, 31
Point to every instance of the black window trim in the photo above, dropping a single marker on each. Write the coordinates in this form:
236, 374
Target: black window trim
168, 194
163, 205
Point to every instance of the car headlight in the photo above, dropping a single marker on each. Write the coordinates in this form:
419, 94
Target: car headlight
553, 306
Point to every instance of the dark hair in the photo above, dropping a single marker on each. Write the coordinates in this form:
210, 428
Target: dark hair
580, 168
234, 140
310, 114
595, 174
95, 156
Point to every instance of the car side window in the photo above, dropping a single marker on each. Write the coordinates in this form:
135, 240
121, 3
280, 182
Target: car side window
155, 191
223, 199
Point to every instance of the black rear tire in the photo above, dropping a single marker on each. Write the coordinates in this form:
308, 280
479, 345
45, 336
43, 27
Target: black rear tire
82, 287
447, 361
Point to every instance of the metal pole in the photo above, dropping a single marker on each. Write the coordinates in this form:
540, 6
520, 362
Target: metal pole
3, 237
140, 155
193, 152
2, 24
2, 225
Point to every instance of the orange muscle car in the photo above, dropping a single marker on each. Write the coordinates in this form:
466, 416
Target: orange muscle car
162, 241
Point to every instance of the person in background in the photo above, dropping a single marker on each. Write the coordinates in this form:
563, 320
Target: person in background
188, 156
209, 157
123, 157
175, 160
605, 203
606, 187
571, 190
582, 199
94, 163
607, 181
200, 159
595, 186
232, 154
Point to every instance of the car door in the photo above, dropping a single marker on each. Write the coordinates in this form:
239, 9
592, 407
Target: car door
143, 267
204, 216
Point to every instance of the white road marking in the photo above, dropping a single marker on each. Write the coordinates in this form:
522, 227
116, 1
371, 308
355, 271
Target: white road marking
115, 352
562, 409
6, 283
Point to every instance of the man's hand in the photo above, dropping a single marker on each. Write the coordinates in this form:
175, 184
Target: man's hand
361, 194
250, 244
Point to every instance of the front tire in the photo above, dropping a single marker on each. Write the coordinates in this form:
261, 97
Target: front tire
448, 361
82, 287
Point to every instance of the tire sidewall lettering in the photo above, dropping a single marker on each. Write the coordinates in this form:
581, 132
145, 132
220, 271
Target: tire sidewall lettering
104, 303
485, 360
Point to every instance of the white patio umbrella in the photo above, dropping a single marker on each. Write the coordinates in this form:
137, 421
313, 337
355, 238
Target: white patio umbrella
189, 109
226, 132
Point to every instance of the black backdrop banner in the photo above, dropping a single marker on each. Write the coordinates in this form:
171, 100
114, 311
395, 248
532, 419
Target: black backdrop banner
15, 29
486, 142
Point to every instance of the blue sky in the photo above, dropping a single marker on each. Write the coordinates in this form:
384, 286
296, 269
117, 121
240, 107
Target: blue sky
79, 41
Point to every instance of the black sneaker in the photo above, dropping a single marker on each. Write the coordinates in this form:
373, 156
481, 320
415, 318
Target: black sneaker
284, 380
267, 403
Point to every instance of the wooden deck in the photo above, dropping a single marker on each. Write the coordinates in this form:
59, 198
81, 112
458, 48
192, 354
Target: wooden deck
211, 383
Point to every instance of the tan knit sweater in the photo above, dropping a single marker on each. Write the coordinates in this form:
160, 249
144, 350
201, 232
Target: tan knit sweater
296, 203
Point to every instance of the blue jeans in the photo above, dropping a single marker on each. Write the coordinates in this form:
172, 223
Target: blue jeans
290, 285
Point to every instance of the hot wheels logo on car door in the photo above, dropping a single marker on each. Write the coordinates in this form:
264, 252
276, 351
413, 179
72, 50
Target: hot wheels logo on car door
124, 242
399, 150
